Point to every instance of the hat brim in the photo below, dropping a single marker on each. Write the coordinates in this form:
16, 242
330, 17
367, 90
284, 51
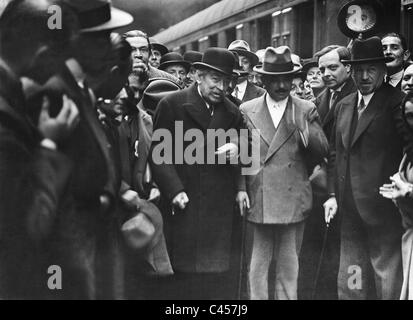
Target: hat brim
118, 19
250, 55
208, 66
260, 69
183, 63
160, 47
307, 66
377, 59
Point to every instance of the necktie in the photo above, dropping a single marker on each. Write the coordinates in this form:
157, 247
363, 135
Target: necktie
387, 79
333, 98
361, 107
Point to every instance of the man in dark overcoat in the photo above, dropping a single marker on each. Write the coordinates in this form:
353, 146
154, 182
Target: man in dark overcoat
200, 195
365, 148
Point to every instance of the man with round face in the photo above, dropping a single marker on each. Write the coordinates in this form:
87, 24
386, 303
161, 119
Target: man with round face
407, 81
365, 148
280, 193
395, 47
174, 64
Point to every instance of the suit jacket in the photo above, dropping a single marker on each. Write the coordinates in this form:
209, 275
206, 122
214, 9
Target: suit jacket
374, 153
323, 105
252, 91
280, 192
199, 238
32, 182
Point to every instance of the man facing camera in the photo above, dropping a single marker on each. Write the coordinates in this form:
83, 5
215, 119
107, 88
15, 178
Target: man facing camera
279, 195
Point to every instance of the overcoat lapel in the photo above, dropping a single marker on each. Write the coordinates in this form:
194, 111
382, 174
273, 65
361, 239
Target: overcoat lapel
346, 117
368, 115
196, 108
261, 119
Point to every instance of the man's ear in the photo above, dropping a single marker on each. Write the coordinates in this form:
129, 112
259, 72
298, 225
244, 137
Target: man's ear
348, 68
406, 55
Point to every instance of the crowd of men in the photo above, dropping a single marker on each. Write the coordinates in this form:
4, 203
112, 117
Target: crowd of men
109, 173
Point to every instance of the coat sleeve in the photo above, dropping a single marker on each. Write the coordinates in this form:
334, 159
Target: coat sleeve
31, 185
164, 174
317, 141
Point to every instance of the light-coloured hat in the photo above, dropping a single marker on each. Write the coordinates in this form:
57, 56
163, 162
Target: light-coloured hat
278, 61
243, 49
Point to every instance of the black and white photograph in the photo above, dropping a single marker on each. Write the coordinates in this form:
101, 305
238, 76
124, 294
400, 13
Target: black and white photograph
219, 151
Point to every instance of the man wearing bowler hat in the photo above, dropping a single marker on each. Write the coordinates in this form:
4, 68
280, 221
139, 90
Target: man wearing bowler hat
157, 51
245, 90
192, 57
365, 148
200, 196
278, 197
174, 64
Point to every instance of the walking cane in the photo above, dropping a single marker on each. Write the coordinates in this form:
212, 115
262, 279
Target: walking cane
320, 261
242, 255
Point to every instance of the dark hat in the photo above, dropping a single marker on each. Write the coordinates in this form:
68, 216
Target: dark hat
369, 50
172, 58
157, 89
218, 59
99, 15
310, 63
278, 61
193, 56
243, 49
158, 46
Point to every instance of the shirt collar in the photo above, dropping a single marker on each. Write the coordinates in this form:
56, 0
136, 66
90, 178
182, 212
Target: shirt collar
242, 86
396, 78
271, 102
338, 89
366, 98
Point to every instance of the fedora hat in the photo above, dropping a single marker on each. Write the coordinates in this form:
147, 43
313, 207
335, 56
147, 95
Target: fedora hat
144, 231
243, 49
278, 61
193, 56
173, 58
99, 15
218, 59
158, 46
368, 50
157, 89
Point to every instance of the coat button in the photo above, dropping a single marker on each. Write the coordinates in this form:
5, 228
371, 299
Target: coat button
290, 188
289, 165
104, 202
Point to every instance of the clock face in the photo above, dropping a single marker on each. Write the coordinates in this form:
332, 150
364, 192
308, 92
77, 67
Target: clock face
360, 18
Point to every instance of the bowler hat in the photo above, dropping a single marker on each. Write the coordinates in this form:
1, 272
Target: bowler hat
158, 46
218, 59
310, 63
99, 15
193, 56
243, 49
157, 89
173, 58
278, 61
368, 50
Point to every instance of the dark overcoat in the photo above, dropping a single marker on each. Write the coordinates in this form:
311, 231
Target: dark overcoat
198, 237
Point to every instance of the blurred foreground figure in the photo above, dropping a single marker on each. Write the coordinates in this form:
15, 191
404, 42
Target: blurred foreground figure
33, 173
